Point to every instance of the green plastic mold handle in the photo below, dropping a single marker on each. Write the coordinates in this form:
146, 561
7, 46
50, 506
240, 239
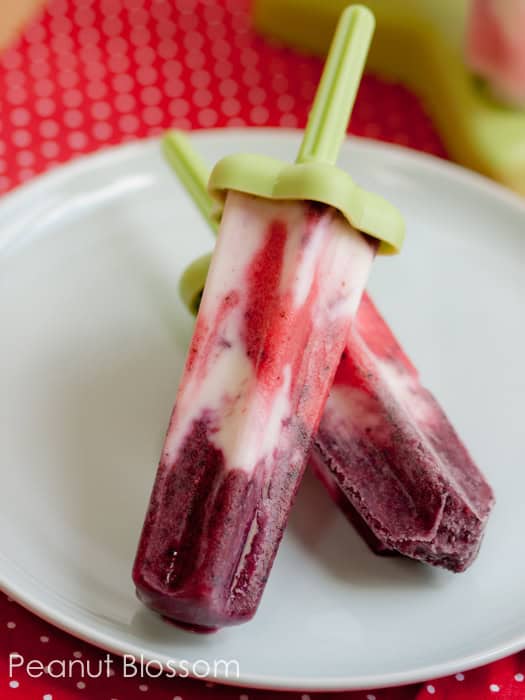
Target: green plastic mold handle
192, 171
319, 182
314, 176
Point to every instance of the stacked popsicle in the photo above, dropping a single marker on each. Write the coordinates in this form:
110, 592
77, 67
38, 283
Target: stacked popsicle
275, 319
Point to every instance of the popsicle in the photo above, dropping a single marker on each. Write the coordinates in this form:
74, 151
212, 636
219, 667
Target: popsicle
391, 459
284, 283
385, 449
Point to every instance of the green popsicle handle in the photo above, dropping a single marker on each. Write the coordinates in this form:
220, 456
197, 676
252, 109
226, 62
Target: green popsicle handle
192, 171
335, 96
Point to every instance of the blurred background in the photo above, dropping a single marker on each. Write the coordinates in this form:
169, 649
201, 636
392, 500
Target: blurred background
444, 76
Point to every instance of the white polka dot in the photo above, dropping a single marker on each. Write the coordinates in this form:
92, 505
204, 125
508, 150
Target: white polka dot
146, 75
174, 87
84, 17
81, 685
102, 131
26, 174
11, 59
188, 22
144, 55
110, 7
73, 118
100, 110
44, 87
123, 83
143, 688
280, 82
15, 77
228, 88
67, 61
220, 49
494, 688
16, 95
25, 158
251, 77
195, 60
152, 116
230, 107
14, 684
90, 53
179, 107
124, 103
62, 44
47, 697
140, 35
519, 677
96, 90
88, 35
151, 95
460, 676
177, 697
118, 63
182, 123
45, 106
200, 79
207, 117
77, 654
259, 115
77, 140
11, 625
72, 98
21, 138
370, 697
44, 639
285, 103
20, 116
35, 33
256, 96
202, 98
161, 11
167, 48
39, 70
305, 696
129, 123
288, 121
430, 689
38, 52
49, 150
112, 26
172, 69
116, 44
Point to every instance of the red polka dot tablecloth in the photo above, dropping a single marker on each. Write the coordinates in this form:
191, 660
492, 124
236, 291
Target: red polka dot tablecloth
88, 74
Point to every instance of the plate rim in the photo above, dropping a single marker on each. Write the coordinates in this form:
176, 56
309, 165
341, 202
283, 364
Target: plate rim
22, 592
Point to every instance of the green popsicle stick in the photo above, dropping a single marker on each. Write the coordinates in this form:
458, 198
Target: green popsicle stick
335, 96
192, 171
314, 176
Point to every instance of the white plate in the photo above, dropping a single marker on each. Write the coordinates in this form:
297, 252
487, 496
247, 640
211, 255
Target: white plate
93, 342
